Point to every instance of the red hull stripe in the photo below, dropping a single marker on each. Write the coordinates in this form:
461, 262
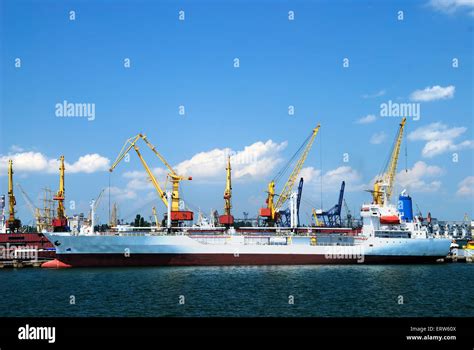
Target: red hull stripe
89, 260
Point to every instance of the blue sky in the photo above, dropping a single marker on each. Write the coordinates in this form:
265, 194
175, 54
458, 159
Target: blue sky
283, 63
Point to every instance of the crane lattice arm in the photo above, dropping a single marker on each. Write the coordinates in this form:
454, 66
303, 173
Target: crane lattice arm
286, 192
13, 223
129, 144
175, 178
383, 186
96, 203
11, 195
60, 194
153, 148
34, 210
228, 189
60, 222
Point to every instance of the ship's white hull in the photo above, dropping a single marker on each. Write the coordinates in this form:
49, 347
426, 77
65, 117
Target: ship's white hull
162, 250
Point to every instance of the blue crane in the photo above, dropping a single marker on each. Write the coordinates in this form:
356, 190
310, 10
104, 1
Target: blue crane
285, 214
332, 217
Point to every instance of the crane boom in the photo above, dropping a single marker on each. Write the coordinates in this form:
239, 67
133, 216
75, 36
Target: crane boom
153, 148
227, 219
176, 213
11, 195
273, 208
175, 178
228, 189
125, 149
60, 222
13, 223
96, 203
383, 186
285, 193
34, 210
155, 183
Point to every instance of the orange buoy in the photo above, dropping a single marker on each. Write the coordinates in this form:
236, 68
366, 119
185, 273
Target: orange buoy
55, 264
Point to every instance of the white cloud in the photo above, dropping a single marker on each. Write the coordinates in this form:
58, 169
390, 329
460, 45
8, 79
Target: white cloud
16, 149
433, 93
370, 118
139, 180
253, 162
27, 162
89, 163
440, 139
38, 162
434, 148
332, 178
121, 194
414, 179
436, 131
466, 187
452, 6
377, 94
378, 138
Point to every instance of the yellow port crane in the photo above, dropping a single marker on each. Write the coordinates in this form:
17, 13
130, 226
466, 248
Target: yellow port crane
227, 219
315, 216
271, 210
60, 222
383, 185
176, 213
13, 223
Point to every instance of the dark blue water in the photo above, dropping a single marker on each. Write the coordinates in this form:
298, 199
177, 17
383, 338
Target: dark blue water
427, 290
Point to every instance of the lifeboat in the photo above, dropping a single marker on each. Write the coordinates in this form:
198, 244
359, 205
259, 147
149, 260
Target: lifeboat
390, 219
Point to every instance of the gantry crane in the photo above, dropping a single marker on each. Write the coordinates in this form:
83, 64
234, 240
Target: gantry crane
383, 185
227, 219
332, 217
60, 221
270, 213
177, 215
12, 223
285, 215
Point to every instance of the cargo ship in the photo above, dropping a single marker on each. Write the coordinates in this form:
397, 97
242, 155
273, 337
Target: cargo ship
182, 249
388, 236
